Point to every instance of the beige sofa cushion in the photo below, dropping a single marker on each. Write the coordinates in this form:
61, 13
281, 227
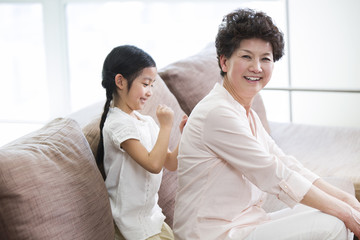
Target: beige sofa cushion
161, 95
325, 150
192, 78
50, 187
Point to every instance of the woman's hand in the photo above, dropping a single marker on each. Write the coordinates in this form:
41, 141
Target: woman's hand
353, 202
165, 115
183, 123
353, 223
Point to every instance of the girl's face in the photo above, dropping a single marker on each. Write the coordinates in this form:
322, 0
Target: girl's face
140, 91
250, 67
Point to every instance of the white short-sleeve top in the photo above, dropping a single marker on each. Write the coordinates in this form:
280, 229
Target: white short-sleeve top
225, 171
133, 191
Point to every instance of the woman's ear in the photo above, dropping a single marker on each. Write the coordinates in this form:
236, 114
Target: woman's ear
223, 63
120, 81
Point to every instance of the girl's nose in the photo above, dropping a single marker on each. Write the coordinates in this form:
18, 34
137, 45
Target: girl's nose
149, 91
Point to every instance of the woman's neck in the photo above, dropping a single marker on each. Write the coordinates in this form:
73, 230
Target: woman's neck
245, 102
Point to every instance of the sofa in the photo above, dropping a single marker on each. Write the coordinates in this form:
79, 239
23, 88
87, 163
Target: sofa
50, 187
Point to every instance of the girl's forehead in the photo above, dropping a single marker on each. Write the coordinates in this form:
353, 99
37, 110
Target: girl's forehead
148, 74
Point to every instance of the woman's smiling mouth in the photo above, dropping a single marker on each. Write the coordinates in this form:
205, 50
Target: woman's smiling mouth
252, 78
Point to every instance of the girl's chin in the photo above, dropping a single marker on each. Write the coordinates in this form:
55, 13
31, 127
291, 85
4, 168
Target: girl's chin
140, 106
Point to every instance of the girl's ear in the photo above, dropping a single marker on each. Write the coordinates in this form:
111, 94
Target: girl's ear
120, 81
223, 63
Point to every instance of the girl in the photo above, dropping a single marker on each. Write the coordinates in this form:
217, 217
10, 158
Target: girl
132, 149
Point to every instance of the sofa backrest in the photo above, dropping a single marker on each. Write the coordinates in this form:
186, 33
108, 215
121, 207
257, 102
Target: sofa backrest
50, 187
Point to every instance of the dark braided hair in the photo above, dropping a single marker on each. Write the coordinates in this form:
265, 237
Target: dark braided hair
129, 61
245, 24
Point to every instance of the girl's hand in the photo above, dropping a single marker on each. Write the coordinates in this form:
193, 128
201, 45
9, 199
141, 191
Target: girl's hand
165, 115
183, 122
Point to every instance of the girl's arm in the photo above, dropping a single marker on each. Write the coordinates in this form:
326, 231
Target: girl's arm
171, 161
154, 160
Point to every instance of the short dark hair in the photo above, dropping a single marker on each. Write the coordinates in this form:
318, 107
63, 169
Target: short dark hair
245, 24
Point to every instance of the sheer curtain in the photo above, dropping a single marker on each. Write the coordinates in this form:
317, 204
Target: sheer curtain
52, 51
52, 54
167, 30
23, 86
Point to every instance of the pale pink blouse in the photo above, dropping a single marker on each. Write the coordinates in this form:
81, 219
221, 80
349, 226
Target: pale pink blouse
225, 172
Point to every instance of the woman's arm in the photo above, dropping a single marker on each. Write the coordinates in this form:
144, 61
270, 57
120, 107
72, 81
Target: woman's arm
326, 203
337, 193
154, 160
171, 161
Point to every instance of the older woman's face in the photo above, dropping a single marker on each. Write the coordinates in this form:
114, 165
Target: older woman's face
250, 67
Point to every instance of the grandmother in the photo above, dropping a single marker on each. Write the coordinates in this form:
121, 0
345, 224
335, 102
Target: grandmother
228, 163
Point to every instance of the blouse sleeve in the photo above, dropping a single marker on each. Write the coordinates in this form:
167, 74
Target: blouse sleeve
228, 135
122, 132
290, 161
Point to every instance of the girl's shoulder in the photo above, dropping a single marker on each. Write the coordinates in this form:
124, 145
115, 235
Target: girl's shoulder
116, 114
142, 117
118, 119
120, 126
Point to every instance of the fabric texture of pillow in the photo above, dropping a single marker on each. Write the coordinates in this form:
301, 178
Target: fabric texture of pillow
192, 78
161, 95
50, 187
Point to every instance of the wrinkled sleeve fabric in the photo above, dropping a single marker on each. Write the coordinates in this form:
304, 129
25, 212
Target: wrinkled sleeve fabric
290, 161
228, 135
122, 132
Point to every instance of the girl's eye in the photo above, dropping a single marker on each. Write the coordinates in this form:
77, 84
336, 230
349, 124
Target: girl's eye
147, 85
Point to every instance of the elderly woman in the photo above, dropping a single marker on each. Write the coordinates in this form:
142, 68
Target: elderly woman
228, 162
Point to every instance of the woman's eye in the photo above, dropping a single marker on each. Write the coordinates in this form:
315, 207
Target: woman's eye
267, 59
145, 84
246, 56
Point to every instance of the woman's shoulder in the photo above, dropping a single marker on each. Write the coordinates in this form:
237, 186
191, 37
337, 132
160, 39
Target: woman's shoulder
218, 104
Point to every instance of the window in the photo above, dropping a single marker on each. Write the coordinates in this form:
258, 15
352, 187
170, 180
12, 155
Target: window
94, 28
324, 86
52, 54
23, 86
52, 51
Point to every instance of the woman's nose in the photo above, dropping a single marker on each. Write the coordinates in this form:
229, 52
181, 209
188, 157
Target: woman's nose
256, 66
